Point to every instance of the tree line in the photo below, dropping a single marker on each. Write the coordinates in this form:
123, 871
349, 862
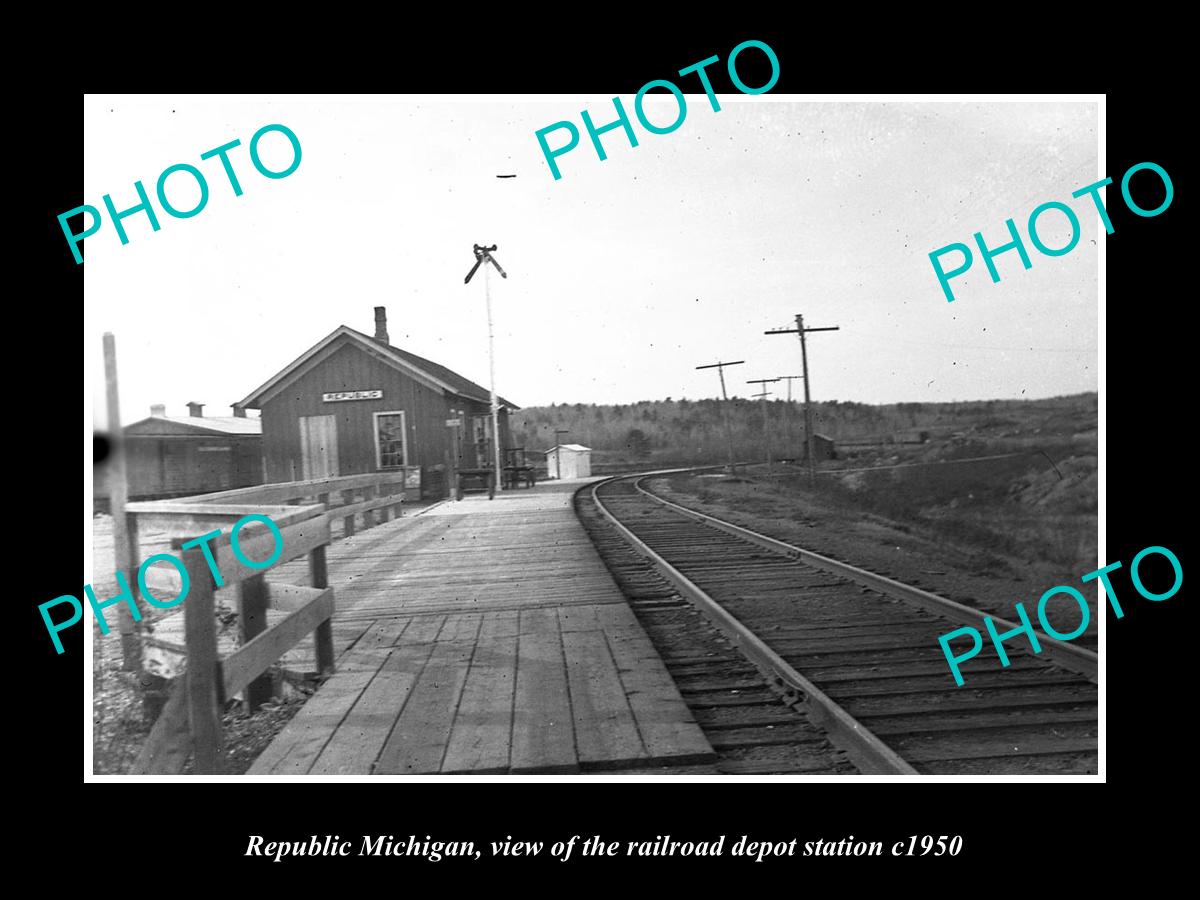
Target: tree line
693, 431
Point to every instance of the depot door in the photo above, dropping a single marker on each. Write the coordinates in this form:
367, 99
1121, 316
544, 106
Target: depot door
318, 447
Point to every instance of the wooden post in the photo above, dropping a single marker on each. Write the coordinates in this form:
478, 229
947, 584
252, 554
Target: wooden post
369, 493
319, 574
456, 454
118, 492
151, 695
200, 630
766, 428
766, 433
384, 492
787, 419
133, 560
720, 367
808, 425
253, 600
348, 522
495, 404
452, 462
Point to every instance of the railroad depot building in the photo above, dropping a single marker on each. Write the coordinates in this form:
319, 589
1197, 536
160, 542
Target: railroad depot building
353, 404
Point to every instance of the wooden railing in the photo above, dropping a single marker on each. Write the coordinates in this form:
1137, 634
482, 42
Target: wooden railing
190, 722
345, 497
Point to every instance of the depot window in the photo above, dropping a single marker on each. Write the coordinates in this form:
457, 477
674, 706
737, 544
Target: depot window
391, 444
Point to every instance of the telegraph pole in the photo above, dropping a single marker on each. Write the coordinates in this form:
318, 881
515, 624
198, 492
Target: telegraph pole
558, 452
720, 367
483, 255
787, 423
808, 432
765, 394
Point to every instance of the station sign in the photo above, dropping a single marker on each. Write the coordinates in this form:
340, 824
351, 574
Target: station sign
352, 395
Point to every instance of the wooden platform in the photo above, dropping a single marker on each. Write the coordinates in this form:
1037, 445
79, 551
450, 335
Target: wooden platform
485, 637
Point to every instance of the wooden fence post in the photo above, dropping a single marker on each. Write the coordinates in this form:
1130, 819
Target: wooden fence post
200, 630
384, 491
348, 522
132, 562
131, 536
253, 599
324, 634
369, 517
131, 648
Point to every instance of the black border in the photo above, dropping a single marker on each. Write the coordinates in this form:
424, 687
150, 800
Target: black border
1003, 824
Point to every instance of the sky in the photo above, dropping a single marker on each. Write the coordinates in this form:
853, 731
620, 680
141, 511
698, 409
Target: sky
625, 274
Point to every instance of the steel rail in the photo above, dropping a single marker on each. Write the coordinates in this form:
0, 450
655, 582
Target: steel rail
1075, 659
866, 750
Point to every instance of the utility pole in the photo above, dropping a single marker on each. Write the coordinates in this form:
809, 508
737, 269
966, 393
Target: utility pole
483, 255
808, 431
765, 394
720, 367
787, 419
558, 452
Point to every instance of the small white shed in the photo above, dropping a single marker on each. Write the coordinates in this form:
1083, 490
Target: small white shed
569, 461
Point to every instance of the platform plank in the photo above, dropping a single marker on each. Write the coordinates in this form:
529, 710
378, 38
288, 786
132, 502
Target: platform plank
668, 729
479, 737
301, 742
578, 618
484, 637
418, 742
303, 739
501, 623
359, 738
543, 737
606, 734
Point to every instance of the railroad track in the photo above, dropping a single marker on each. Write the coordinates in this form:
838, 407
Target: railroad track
751, 723
855, 653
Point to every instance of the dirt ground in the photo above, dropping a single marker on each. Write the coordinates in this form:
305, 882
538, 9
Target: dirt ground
121, 717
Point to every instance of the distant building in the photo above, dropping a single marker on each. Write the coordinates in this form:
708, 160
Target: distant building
353, 404
174, 456
569, 461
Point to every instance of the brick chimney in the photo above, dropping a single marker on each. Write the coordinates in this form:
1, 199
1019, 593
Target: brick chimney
158, 409
381, 334
239, 412
196, 409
